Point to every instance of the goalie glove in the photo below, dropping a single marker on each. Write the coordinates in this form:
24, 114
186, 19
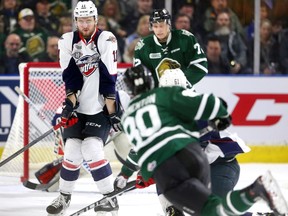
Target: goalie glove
221, 123
141, 183
68, 116
120, 181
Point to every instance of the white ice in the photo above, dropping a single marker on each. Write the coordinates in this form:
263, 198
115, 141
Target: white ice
16, 200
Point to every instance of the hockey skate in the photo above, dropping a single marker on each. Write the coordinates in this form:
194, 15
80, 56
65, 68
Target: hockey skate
59, 205
110, 205
172, 211
264, 214
266, 187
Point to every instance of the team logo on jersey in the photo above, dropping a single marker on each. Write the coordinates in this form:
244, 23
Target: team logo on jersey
93, 46
151, 166
77, 55
139, 45
88, 64
112, 39
166, 63
79, 47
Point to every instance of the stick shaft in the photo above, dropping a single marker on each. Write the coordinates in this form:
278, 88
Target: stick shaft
129, 186
34, 107
29, 145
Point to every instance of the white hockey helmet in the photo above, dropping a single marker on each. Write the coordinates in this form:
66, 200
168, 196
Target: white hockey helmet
85, 9
173, 77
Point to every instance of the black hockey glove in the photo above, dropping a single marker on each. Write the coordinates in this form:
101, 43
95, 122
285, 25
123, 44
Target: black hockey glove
68, 116
115, 121
220, 123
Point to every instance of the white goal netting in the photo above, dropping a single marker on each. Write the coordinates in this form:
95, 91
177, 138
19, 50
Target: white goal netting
42, 84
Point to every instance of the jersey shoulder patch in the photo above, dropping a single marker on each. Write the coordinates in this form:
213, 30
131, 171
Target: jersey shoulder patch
187, 33
139, 44
144, 41
108, 36
67, 36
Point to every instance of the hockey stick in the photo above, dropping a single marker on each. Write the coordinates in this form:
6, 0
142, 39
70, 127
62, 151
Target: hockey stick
42, 187
48, 175
30, 144
130, 186
128, 165
28, 100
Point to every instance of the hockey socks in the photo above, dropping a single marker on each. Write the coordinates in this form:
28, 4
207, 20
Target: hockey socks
236, 203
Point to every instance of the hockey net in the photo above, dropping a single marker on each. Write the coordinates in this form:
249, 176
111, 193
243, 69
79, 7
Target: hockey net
42, 84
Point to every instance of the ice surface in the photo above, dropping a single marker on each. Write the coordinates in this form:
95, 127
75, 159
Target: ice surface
16, 200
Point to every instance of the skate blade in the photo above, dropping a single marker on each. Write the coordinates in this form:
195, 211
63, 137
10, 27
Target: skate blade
276, 196
105, 213
60, 214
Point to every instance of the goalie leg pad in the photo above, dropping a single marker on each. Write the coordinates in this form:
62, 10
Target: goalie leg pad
49, 171
93, 153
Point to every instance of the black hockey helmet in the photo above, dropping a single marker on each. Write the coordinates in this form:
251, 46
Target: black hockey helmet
138, 79
160, 15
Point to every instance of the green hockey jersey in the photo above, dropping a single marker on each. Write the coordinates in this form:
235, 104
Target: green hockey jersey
162, 121
180, 51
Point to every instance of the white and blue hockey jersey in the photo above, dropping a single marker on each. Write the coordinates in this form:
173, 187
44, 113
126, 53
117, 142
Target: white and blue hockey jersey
89, 67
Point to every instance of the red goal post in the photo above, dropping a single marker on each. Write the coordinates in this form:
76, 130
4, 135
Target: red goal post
42, 83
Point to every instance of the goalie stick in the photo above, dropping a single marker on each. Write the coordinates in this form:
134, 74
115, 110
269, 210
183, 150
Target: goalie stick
48, 175
42, 187
130, 186
29, 145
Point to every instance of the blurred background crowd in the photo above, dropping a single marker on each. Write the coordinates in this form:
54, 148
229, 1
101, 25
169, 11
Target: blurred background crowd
30, 30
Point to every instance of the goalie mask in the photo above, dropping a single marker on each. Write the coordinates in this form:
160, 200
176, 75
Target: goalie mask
85, 9
138, 79
173, 77
159, 15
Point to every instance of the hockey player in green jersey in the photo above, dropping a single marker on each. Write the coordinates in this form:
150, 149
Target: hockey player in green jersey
169, 48
161, 125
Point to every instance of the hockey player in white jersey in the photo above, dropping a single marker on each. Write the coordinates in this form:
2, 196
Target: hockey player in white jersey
89, 65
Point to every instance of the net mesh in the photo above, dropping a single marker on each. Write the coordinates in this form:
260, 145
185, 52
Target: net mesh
46, 92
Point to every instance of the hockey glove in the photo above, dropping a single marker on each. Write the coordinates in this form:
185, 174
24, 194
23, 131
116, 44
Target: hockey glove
221, 123
115, 120
120, 181
68, 116
141, 183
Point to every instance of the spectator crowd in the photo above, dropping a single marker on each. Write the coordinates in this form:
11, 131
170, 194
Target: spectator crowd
30, 30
